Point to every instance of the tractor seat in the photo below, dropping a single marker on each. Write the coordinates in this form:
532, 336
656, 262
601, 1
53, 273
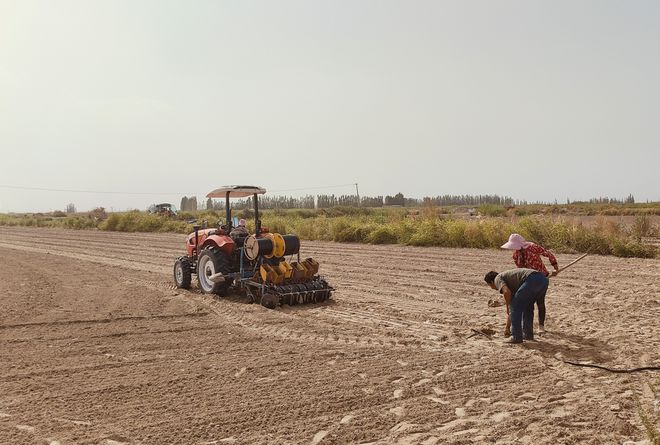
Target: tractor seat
239, 237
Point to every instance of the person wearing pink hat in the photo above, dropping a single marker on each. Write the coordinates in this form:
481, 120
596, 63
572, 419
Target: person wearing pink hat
528, 255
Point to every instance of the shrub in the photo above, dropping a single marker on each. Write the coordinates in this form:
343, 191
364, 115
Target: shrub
312, 229
636, 249
136, 221
343, 230
247, 214
305, 213
276, 225
334, 212
641, 227
607, 226
583, 240
79, 222
392, 225
111, 223
382, 234
186, 216
491, 210
427, 233
98, 214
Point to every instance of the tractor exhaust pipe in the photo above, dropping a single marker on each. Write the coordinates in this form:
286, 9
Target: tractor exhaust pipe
196, 229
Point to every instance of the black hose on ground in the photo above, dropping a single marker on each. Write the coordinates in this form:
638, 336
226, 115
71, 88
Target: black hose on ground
644, 368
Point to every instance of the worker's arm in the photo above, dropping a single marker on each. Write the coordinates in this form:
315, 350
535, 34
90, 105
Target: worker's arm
546, 253
506, 293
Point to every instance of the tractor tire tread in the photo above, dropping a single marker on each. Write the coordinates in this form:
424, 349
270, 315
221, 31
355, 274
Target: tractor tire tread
187, 273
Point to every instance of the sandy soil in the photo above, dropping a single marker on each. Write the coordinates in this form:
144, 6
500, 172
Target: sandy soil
98, 348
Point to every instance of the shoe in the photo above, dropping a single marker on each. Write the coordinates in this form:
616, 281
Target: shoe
541, 329
512, 342
528, 338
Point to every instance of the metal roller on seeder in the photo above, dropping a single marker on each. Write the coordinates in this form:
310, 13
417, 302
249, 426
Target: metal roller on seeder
271, 245
289, 283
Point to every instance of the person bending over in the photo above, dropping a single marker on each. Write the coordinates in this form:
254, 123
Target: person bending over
521, 288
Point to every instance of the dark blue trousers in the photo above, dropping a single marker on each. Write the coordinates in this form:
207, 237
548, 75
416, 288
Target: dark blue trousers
532, 290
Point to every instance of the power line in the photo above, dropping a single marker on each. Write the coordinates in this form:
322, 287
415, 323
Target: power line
106, 192
42, 189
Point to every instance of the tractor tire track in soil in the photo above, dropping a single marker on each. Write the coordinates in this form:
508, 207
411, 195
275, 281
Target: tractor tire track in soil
102, 349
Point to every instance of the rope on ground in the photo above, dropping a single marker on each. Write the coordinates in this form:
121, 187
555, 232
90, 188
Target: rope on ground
476, 332
644, 368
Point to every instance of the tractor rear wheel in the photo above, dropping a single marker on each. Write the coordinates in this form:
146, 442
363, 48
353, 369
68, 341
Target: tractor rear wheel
182, 273
213, 261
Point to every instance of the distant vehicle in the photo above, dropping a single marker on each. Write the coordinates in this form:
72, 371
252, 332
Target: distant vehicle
164, 209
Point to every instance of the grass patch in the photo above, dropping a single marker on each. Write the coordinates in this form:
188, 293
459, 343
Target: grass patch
650, 418
389, 226
76, 221
491, 210
143, 222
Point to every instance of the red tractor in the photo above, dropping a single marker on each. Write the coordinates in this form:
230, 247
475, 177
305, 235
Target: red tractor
262, 264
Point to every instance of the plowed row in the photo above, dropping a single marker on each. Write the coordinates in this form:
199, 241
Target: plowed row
97, 347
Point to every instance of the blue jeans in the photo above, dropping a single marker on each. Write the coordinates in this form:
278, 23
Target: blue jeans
531, 291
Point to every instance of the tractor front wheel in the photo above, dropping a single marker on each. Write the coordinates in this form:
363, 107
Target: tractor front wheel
213, 261
182, 273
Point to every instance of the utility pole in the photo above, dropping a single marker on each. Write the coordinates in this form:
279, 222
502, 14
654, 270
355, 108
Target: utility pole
358, 193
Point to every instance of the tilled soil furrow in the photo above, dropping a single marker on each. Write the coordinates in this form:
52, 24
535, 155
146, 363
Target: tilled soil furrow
107, 260
313, 335
101, 347
89, 253
92, 243
104, 320
69, 370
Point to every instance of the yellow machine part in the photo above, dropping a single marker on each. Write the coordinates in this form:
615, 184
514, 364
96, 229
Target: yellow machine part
312, 265
299, 271
278, 245
285, 269
308, 270
272, 238
270, 274
263, 271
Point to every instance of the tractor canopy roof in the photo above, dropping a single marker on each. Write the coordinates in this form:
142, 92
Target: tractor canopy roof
236, 191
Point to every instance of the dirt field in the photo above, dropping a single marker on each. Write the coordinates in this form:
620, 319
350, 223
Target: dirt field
98, 348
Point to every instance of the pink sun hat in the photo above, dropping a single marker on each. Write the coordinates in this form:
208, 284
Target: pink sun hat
515, 242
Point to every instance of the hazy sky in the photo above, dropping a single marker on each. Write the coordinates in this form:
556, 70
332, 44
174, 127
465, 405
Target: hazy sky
530, 99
